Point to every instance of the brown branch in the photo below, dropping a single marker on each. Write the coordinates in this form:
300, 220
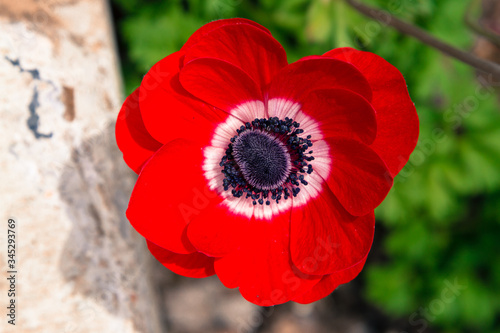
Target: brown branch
408, 29
477, 28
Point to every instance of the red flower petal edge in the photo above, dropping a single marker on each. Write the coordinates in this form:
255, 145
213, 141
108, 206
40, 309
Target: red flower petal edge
133, 139
397, 119
263, 172
195, 265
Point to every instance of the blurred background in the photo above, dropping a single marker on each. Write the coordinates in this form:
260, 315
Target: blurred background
435, 262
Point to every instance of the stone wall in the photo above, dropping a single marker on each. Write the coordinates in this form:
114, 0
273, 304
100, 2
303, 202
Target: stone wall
80, 266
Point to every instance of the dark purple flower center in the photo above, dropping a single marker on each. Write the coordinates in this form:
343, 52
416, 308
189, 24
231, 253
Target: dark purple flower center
266, 160
263, 159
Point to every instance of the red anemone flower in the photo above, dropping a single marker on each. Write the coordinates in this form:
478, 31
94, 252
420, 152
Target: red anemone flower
263, 172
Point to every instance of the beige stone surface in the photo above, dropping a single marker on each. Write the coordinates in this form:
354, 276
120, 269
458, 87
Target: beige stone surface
81, 268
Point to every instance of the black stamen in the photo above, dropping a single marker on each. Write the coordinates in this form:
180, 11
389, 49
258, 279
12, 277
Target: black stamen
266, 160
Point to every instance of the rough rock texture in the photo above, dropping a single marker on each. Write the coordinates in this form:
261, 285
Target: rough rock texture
81, 268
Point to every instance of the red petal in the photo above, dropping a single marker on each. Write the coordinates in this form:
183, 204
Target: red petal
219, 83
230, 278
170, 192
358, 178
297, 79
329, 283
216, 231
200, 34
325, 238
262, 267
397, 118
136, 144
249, 48
194, 265
341, 113
169, 111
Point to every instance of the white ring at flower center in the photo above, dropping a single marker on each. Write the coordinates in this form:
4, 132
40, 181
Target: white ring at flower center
247, 112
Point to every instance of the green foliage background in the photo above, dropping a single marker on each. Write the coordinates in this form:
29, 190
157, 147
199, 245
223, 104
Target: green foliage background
442, 218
